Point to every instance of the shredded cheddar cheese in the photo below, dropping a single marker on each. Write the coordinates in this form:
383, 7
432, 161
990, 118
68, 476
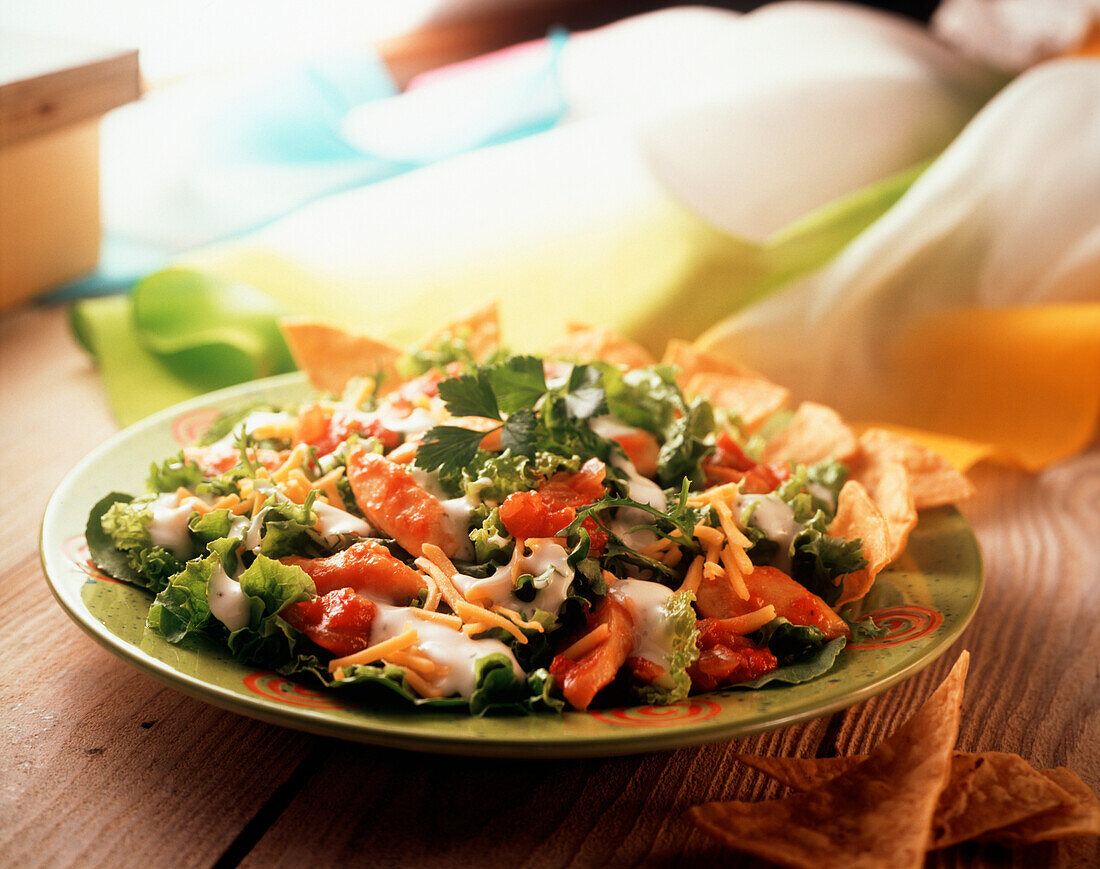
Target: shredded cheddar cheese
588, 642
376, 652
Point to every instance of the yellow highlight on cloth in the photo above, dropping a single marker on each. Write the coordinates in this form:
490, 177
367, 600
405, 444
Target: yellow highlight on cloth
1020, 385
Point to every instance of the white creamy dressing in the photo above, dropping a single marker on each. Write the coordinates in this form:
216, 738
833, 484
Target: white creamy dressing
548, 563
265, 419
168, 525
442, 644
228, 604
256, 420
412, 424
772, 515
610, 427
456, 510
644, 491
251, 537
333, 522
653, 634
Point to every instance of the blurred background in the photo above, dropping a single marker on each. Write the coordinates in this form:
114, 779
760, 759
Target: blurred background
181, 38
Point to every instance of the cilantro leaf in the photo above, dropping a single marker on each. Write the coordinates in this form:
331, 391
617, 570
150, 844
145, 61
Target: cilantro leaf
519, 382
449, 448
470, 395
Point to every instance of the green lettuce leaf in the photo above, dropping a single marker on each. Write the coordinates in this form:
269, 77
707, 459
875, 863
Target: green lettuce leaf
268, 640
817, 663
496, 687
182, 607
819, 560
101, 546
173, 473
120, 544
682, 651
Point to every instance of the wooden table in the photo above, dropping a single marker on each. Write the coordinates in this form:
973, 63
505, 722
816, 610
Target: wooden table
100, 765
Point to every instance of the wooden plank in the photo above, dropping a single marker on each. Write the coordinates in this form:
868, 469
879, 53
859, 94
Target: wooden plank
99, 765
48, 84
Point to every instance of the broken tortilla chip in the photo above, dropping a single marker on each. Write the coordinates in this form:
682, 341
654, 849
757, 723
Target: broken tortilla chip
877, 814
1077, 816
479, 327
858, 518
753, 399
814, 434
331, 356
933, 481
987, 791
689, 361
893, 496
595, 342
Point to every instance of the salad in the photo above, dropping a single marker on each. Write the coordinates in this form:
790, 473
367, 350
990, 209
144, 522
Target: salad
496, 531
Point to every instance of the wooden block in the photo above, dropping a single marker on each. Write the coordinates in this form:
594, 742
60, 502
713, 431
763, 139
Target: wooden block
52, 94
49, 211
48, 84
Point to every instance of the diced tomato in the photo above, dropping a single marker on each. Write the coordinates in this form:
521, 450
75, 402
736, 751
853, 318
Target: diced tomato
545, 512
769, 585
326, 432
642, 449
531, 514
645, 670
729, 464
392, 500
365, 566
338, 621
728, 454
221, 457
581, 680
580, 488
726, 659
761, 479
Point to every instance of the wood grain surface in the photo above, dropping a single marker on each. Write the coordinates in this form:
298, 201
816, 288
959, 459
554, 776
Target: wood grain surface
102, 766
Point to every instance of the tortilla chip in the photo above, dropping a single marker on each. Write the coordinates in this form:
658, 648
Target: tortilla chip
933, 481
332, 356
893, 496
857, 517
814, 434
1079, 815
595, 342
689, 361
479, 327
986, 792
753, 399
877, 814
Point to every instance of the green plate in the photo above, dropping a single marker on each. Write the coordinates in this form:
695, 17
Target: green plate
924, 600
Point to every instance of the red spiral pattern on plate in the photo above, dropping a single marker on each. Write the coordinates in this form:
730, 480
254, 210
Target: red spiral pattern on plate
76, 550
903, 624
275, 687
673, 715
189, 427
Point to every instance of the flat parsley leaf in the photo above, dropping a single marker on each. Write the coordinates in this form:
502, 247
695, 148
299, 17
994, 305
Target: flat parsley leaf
584, 396
448, 447
470, 395
518, 433
519, 382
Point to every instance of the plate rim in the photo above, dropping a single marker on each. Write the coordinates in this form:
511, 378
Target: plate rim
383, 734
